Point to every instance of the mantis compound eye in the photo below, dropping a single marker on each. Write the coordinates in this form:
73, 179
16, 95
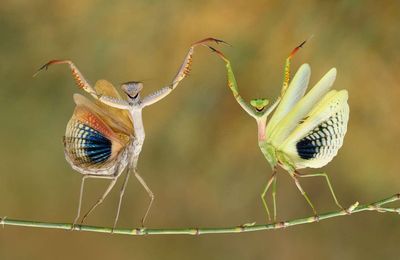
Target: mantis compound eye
132, 88
259, 104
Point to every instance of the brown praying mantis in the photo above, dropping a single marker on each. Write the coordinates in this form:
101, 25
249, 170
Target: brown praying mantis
106, 136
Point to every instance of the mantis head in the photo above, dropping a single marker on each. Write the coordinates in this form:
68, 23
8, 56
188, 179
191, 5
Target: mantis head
132, 89
259, 104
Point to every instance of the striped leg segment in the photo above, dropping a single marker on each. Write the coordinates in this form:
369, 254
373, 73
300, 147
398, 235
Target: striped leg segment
182, 73
286, 73
232, 84
80, 80
185, 68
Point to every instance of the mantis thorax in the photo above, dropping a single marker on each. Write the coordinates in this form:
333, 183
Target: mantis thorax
275, 157
285, 162
269, 152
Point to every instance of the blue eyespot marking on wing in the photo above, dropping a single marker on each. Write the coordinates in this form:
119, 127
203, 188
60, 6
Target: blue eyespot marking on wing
324, 140
87, 145
307, 149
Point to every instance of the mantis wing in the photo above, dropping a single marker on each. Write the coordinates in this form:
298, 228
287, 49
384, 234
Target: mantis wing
302, 108
90, 143
105, 113
294, 92
317, 139
121, 117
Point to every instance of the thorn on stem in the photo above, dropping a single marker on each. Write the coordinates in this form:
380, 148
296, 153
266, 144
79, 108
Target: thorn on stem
138, 231
2, 221
281, 224
248, 224
352, 208
376, 207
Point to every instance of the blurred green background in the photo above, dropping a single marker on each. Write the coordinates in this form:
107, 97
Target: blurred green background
200, 157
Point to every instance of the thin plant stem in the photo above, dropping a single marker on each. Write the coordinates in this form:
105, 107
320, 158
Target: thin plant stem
378, 206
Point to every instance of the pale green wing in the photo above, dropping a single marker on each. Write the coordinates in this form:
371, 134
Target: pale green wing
294, 93
302, 108
317, 139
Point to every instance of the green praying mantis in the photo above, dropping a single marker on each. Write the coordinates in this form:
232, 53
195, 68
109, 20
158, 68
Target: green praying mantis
105, 137
304, 131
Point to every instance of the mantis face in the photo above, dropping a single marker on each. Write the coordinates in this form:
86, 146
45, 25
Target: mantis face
259, 104
132, 89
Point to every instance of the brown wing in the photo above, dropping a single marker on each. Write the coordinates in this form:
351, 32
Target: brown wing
90, 143
105, 88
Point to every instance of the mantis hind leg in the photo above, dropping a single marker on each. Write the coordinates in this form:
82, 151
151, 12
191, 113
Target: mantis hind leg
101, 199
295, 178
149, 192
274, 196
78, 214
327, 181
121, 195
272, 181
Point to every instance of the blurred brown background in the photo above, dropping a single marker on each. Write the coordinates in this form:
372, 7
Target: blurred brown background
200, 157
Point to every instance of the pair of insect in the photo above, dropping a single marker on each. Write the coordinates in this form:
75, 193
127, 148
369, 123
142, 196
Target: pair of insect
106, 136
